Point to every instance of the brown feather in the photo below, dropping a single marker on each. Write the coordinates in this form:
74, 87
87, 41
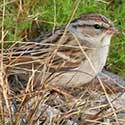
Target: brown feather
68, 55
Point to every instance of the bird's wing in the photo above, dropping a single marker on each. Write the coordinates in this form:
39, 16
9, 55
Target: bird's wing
57, 51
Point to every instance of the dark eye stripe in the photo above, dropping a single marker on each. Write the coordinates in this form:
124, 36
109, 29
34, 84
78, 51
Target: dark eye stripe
96, 26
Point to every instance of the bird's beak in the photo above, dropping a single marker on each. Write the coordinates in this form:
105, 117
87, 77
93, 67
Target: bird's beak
113, 30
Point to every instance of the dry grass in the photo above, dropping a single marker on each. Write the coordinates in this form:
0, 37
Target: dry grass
34, 102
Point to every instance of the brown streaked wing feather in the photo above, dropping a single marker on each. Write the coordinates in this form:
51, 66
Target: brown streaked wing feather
68, 55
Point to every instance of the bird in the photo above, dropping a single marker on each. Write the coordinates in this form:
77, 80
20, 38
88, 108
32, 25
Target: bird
70, 55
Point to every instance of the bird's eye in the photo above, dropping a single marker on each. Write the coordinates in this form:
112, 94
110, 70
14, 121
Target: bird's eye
96, 26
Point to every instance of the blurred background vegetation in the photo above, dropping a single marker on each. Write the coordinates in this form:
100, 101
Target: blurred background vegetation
25, 19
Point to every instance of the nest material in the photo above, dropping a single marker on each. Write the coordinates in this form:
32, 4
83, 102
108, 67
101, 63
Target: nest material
47, 104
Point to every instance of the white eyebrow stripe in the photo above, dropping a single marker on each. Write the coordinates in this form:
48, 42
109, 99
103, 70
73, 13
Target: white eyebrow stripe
82, 22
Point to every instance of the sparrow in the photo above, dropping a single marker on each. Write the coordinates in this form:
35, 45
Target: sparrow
70, 56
